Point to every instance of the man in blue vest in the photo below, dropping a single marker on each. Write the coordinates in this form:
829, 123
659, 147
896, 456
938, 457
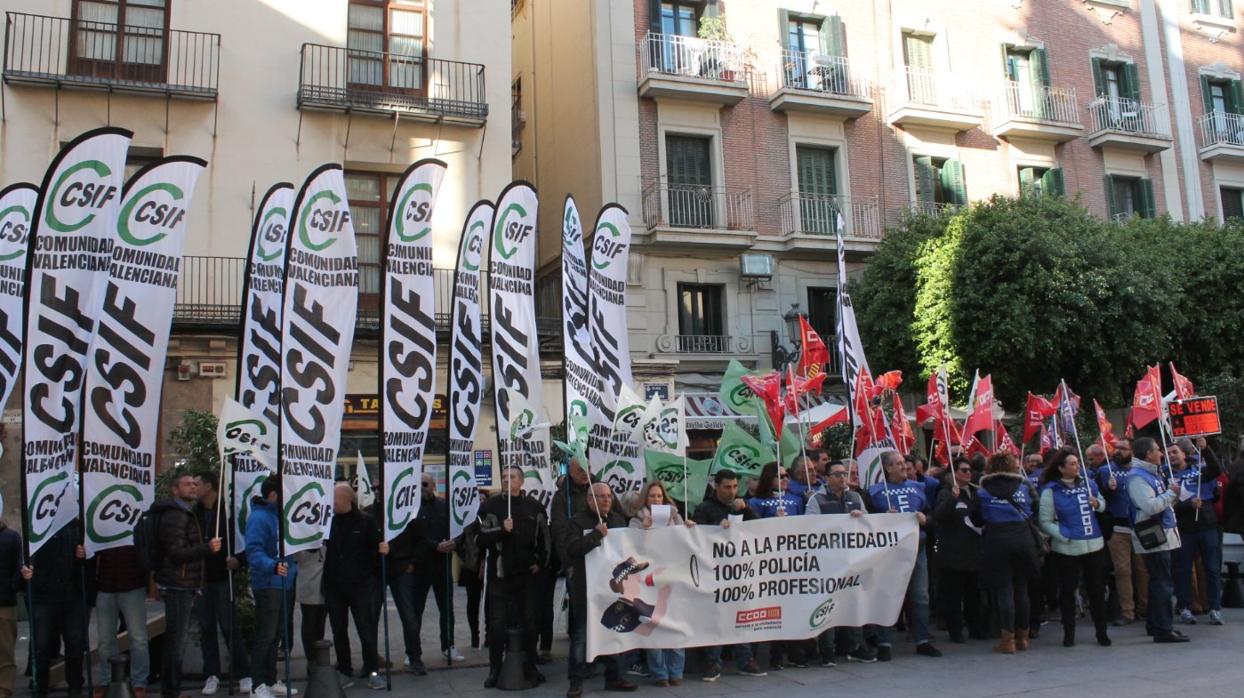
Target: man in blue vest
1198, 528
1128, 566
1155, 535
898, 495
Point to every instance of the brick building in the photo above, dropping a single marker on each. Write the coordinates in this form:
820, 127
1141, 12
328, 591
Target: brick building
741, 135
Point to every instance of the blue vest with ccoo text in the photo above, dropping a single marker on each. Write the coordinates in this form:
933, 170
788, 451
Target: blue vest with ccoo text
1158, 485
1076, 518
996, 510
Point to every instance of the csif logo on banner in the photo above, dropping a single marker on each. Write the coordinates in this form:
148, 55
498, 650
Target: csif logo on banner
403, 492
741, 456
14, 229
250, 435
77, 196
43, 504
510, 234
572, 231
606, 249
414, 212
323, 213
475, 246
157, 207
465, 495
113, 513
669, 474
617, 473
272, 230
307, 508
134, 358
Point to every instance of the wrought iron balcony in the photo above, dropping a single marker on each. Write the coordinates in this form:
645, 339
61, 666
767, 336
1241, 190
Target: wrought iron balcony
688, 67
827, 215
934, 99
668, 204
59, 52
1037, 112
703, 344
1222, 136
1128, 124
818, 82
428, 89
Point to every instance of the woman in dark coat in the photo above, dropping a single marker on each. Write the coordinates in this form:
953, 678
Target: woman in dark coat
958, 553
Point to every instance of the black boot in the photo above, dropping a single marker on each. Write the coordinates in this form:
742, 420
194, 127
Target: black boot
1069, 636
495, 655
1102, 638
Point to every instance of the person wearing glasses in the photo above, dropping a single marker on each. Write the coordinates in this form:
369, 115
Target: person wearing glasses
959, 554
837, 498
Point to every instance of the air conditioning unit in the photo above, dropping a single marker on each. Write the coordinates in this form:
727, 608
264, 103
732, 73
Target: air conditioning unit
212, 369
756, 266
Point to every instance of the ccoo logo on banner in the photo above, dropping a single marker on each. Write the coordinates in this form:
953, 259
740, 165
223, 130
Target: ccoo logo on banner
615, 459
515, 347
466, 370
408, 341
125, 370
17, 205
317, 330
259, 351
71, 245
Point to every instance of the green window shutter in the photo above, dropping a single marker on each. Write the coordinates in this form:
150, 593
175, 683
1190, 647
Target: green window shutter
815, 167
1227, 10
953, 184
1099, 80
1206, 99
1112, 206
1131, 81
833, 36
1027, 180
1148, 206
1235, 95
918, 52
1052, 182
926, 180
1008, 66
784, 29
687, 160
1041, 67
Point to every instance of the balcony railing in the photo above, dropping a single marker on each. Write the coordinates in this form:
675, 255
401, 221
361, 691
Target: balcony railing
823, 214
697, 206
702, 344
935, 89
810, 70
333, 77
209, 297
1221, 128
57, 51
1128, 116
691, 56
1027, 101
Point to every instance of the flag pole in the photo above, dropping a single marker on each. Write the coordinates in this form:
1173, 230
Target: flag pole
803, 437
1157, 396
1074, 431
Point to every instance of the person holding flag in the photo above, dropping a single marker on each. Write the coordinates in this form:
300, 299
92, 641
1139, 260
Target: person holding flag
1155, 534
1198, 527
271, 577
1129, 568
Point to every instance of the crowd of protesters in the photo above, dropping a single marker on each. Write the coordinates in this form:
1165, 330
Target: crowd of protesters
1131, 535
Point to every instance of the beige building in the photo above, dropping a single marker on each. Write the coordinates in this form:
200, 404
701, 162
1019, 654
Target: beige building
266, 90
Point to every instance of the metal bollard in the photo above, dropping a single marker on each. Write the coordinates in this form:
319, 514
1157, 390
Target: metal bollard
322, 681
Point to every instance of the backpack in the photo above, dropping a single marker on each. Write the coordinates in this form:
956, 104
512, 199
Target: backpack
147, 541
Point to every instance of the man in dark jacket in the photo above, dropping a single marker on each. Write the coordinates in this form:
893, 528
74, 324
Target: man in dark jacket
433, 550
1197, 469
183, 552
585, 532
515, 533
716, 511
214, 606
837, 498
400, 578
958, 554
10, 582
273, 579
351, 563
60, 605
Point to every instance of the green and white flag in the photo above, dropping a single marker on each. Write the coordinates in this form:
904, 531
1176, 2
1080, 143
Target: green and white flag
71, 239
407, 343
628, 414
125, 366
582, 386
240, 431
665, 426
17, 209
362, 483
317, 333
739, 451
668, 468
734, 394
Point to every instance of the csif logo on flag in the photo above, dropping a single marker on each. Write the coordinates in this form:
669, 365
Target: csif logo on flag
464, 497
44, 502
247, 494
670, 474
509, 234
272, 234
631, 416
113, 513
616, 474
415, 210
474, 246
324, 214
155, 210
78, 195
742, 456
401, 497
306, 509
606, 249
249, 435
14, 228
572, 231
739, 397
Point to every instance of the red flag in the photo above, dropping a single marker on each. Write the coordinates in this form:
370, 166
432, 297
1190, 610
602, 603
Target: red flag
1184, 388
814, 355
1037, 410
1002, 440
839, 417
900, 429
1127, 431
796, 387
769, 388
1105, 427
1047, 439
1146, 398
889, 380
980, 416
870, 420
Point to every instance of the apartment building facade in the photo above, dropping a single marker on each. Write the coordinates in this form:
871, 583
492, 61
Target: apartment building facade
742, 135
266, 91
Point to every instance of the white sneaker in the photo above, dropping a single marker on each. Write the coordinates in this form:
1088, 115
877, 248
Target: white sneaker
211, 685
375, 682
244, 686
453, 654
261, 691
280, 689
1186, 617
1215, 618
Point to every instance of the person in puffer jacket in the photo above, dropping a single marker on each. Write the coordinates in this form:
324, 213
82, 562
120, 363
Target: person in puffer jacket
1004, 509
272, 582
1155, 534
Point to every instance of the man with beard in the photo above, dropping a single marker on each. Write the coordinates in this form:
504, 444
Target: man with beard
1129, 567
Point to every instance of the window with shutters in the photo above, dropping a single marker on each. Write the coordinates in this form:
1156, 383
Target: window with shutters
119, 39
918, 58
385, 39
369, 194
1028, 74
940, 183
681, 17
814, 49
819, 207
700, 315
1223, 100
1217, 8
689, 174
1129, 197
1037, 181
1232, 202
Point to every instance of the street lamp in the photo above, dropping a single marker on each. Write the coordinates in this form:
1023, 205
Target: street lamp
781, 355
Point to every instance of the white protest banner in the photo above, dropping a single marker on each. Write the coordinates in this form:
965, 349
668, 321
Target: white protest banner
784, 578
517, 389
407, 343
240, 431
125, 366
17, 210
317, 332
259, 350
615, 460
70, 252
579, 369
466, 369
362, 484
